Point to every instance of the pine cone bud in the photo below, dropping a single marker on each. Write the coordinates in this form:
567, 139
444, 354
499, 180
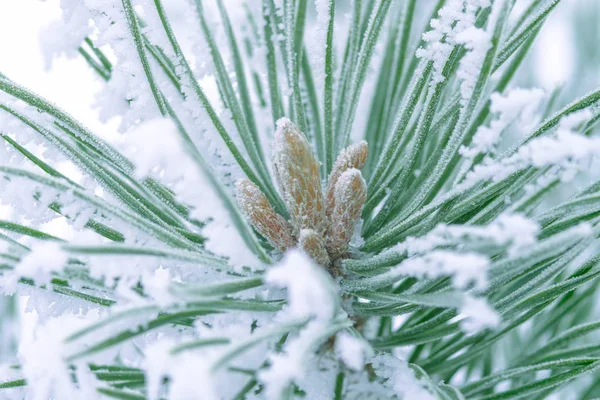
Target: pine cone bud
297, 174
262, 216
349, 198
312, 244
353, 156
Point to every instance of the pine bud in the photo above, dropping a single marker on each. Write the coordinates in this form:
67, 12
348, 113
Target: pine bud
353, 156
349, 198
262, 216
297, 174
312, 244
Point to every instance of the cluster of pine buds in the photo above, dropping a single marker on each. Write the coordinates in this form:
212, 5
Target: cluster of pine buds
320, 225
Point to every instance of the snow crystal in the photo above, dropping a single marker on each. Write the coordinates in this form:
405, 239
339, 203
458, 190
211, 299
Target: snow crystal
157, 284
352, 350
479, 315
39, 264
290, 366
400, 378
186, 372
516, 104
464, 268
127, 94
153, 145
565, 149
454, 18
318, 39
572, 121
309, 289
157, 364
66, 35
511, 230
477, 41
189, 373
311, 294
42, 362
158, 150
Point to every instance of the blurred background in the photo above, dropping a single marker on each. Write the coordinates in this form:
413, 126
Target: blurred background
565, 53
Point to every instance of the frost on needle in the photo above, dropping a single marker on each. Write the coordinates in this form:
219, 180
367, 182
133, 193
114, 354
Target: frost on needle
320, 224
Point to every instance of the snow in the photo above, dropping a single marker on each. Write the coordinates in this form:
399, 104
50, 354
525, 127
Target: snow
44, 259
66, 35
157, 283
186, 372
291, 365
317, 37
155, 146
127, 94
479, 315
157, 150
565, 149
513, 231
352, 351
399, 378
477, 41
432, 258
455, 17
452, 250
309, 289
464, 268
311, 296
517, 106
42, 362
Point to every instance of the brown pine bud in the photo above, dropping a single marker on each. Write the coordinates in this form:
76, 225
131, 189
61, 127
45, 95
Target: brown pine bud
262, 216
312, 244
349, 198
353, 156
297, 174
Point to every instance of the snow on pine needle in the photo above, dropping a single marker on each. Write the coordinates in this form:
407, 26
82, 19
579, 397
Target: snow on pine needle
304, 199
